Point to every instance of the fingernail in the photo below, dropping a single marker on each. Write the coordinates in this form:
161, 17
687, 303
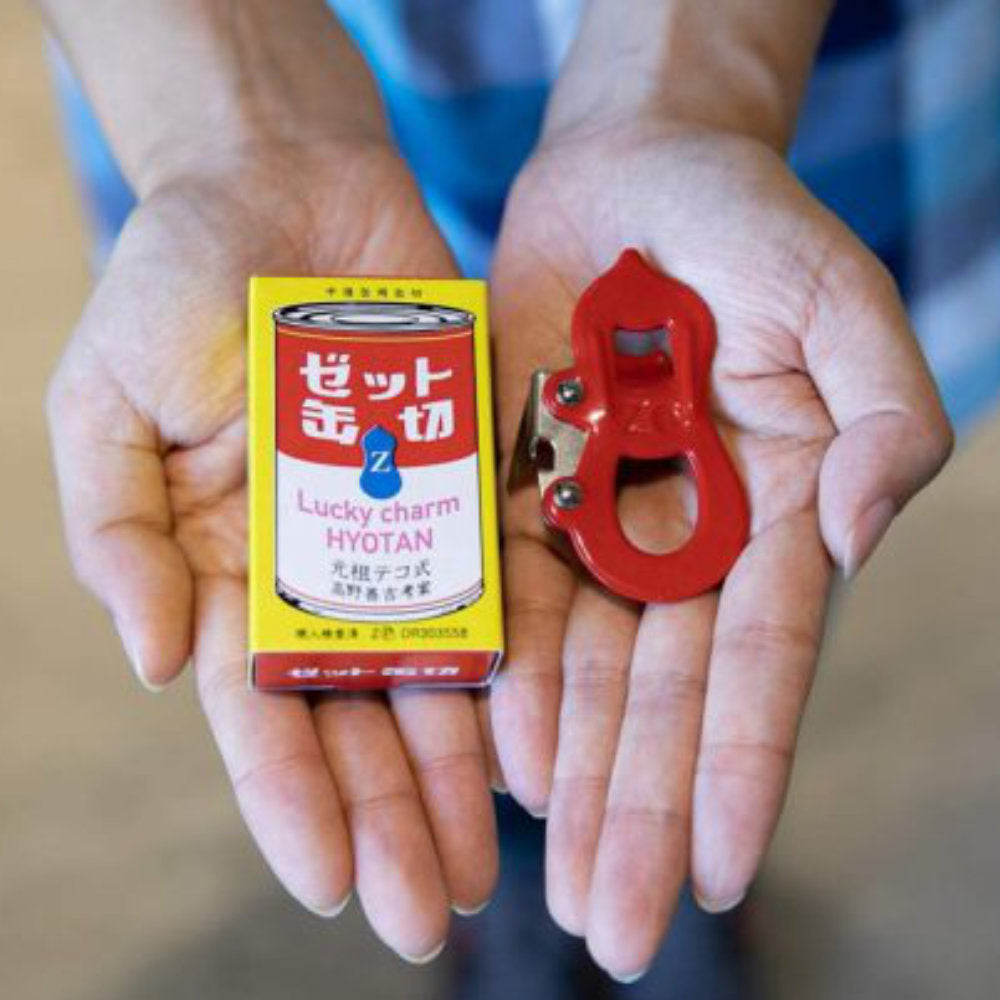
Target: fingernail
329, 912
148, 684
470, 911
541, 812
715, 906
633, 977
136, 663
422, 959
867, 532
140, 674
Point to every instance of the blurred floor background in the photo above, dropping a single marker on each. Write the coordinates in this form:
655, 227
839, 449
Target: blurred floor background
124, 870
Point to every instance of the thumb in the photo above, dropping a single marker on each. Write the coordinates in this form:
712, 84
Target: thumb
117, 516
892, 432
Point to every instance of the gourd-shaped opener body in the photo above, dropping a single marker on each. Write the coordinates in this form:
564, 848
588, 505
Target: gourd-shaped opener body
652, 404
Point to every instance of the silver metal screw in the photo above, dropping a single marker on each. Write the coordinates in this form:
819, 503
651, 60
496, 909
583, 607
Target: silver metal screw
567, 494
569, 392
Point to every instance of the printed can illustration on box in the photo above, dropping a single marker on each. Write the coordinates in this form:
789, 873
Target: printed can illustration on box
377, 474
373, 543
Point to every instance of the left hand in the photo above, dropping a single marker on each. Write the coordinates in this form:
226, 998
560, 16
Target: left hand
388, 793
659, 740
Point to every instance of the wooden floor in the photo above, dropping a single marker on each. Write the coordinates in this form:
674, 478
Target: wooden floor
124, 870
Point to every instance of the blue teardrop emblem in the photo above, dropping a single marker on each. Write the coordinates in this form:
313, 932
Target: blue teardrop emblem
380, 478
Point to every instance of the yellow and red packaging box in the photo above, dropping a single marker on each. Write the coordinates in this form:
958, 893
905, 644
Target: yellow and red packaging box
374, 553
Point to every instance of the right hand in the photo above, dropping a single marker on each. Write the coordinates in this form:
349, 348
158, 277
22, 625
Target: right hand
148, 426
659, 738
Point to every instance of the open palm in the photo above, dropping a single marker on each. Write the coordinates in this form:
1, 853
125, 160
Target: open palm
148, 422
658, 740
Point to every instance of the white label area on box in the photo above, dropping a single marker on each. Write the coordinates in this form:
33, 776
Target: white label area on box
342, 554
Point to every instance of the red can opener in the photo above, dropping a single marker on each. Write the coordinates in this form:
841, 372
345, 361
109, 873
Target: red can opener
649, 405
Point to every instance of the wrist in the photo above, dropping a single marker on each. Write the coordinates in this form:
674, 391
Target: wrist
688, 63
266, 103
249, 154
184, 84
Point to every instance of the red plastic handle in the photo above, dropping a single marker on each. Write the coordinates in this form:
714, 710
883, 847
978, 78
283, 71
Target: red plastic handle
651, 406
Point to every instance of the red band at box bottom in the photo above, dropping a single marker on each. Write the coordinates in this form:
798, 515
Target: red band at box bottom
370, 671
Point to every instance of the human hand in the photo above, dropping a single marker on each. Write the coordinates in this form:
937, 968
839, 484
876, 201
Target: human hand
148, 427
659, 740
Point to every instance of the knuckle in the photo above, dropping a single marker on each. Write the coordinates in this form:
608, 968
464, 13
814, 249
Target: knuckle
451, 764
83, 551
258, 777
218, 686
531, 610
763, 641
940, 437
579, 786
665, 693
661, 818
856, 271
387, 800
594, 680
753, 758
849, 281
524, 676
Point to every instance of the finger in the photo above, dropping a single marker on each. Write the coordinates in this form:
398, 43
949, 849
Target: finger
894, 435
117, 517
764, 651
493, 769
400, 882
526, 693
642, 858
596, 653
441, 735
273, 756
